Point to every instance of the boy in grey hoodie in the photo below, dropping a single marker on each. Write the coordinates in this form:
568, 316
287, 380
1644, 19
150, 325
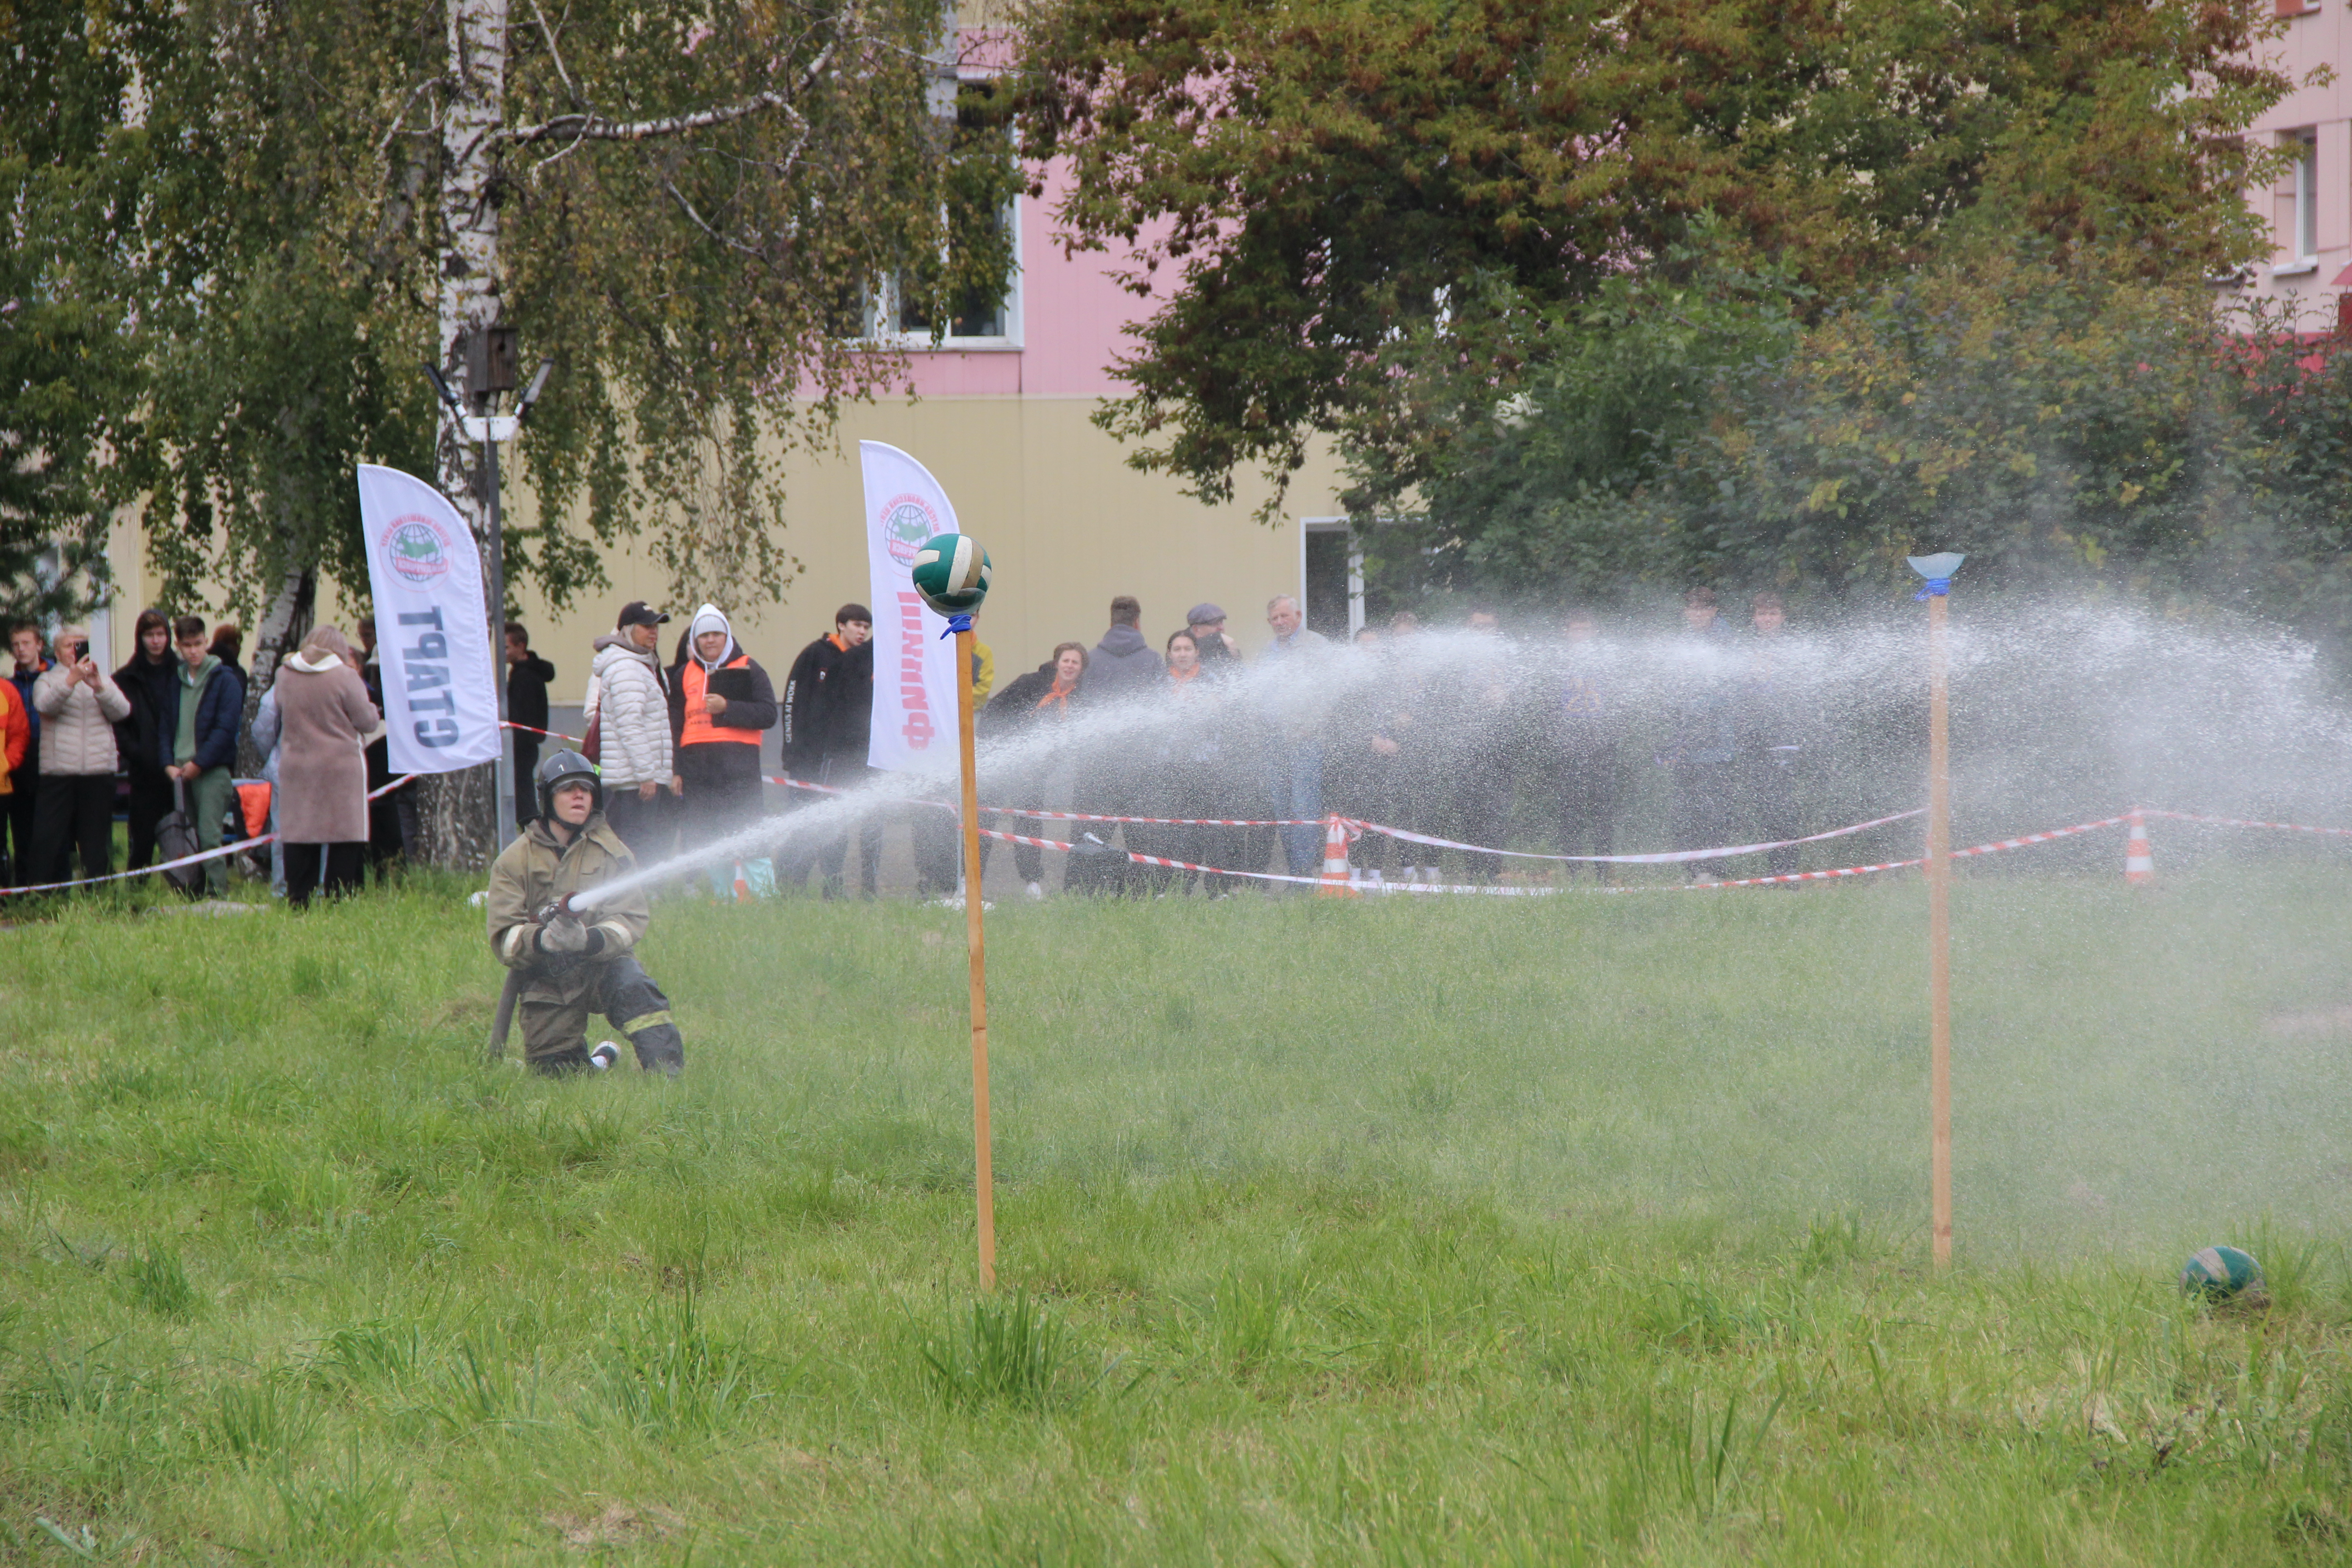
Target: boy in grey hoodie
1123, 663
1123, 667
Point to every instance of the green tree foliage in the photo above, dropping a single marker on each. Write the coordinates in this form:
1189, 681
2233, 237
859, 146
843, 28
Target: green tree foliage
690, 199
65, 380
1357, 195
2060, 424
1535, 487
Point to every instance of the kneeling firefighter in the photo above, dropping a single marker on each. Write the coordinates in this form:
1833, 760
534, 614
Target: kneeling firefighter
560, 967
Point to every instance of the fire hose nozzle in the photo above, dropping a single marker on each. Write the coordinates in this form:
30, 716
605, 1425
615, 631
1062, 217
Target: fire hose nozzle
569, 908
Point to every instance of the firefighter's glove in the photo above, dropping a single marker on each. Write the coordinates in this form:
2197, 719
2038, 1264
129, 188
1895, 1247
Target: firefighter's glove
563, 933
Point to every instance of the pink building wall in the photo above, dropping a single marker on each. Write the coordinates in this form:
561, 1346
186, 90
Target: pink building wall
1073, 313
2314, 283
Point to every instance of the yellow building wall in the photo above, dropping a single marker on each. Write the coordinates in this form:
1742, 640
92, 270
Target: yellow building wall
1066, 523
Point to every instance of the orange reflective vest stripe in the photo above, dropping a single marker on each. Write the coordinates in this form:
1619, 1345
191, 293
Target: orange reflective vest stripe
700, 731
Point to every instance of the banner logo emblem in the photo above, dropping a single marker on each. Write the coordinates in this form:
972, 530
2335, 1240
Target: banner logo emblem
907, 521
417, 550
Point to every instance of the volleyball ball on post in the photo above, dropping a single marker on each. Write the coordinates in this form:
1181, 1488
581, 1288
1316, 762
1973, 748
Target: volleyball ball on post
952, 574
2218, 1273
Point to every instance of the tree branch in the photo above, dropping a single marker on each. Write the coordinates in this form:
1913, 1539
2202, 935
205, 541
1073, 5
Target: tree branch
595, 127
555, 54
679, 197
383, 142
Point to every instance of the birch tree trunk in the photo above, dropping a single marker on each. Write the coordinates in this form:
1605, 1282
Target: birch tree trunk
456, 812
278, 633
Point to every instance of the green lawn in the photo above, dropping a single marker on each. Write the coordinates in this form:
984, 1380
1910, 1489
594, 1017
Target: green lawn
1394, 1231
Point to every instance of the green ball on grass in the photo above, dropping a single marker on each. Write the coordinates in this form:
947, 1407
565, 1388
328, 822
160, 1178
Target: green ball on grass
2218, 1273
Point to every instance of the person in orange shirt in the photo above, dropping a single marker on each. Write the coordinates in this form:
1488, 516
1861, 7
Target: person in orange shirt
16, 736
719, 701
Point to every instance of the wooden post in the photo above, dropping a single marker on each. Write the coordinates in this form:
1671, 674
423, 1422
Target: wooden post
1940, 933
983, 1176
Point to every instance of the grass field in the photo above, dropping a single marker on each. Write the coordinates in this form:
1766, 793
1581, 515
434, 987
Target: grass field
1397, 1232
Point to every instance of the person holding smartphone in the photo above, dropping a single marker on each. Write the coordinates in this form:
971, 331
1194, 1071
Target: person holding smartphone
80, 706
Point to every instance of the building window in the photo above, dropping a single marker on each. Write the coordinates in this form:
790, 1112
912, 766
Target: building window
1330, 578
982, 319
2306, 200
2299, 206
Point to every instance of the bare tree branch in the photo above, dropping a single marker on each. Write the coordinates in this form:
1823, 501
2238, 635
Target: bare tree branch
595, 127
687, 207
555, 54
383, 142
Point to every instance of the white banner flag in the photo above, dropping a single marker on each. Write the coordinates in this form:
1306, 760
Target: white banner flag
431, 633
914, 666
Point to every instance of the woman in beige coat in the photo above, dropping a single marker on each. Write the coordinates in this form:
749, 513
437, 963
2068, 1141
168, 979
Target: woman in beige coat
326, 723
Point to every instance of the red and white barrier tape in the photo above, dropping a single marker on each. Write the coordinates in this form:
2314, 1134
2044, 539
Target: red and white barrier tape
1356, 884
550, 734
790, 782
2023, 841
1356, 826
196, 860
1671, 857
2240, 822
1359, 885
1150, 859
1161, 821
2027, 840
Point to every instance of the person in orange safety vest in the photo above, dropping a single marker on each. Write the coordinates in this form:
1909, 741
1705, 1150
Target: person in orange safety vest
719, 701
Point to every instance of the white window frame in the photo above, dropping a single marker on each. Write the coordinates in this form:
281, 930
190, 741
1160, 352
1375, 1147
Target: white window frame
1307, 525
2303, 241
885, 305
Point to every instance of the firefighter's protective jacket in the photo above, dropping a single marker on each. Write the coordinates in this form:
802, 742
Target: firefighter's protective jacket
536, 870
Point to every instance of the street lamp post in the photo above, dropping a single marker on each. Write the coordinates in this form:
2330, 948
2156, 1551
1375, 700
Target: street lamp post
489, 355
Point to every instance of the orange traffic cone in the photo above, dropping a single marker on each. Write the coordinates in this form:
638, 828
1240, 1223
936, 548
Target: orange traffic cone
742, 885
1336, 883
2139, 864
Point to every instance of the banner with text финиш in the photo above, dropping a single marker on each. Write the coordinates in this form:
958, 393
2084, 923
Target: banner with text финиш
432, 632
913, 666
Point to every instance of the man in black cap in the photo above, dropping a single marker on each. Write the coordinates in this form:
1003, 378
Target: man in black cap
628, 715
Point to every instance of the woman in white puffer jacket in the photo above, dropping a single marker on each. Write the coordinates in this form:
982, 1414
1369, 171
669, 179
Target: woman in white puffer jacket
628, 703
80, 706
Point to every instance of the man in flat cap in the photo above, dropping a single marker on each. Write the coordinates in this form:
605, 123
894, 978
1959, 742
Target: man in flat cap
628, 715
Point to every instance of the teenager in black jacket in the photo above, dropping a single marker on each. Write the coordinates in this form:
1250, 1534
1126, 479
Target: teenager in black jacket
813, 690
527, 678
147, 681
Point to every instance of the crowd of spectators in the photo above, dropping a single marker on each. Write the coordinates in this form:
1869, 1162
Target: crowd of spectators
161, 741
1398, 726
1461, 738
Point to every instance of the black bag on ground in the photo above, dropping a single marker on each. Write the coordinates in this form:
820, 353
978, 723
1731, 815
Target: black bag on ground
175, 838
